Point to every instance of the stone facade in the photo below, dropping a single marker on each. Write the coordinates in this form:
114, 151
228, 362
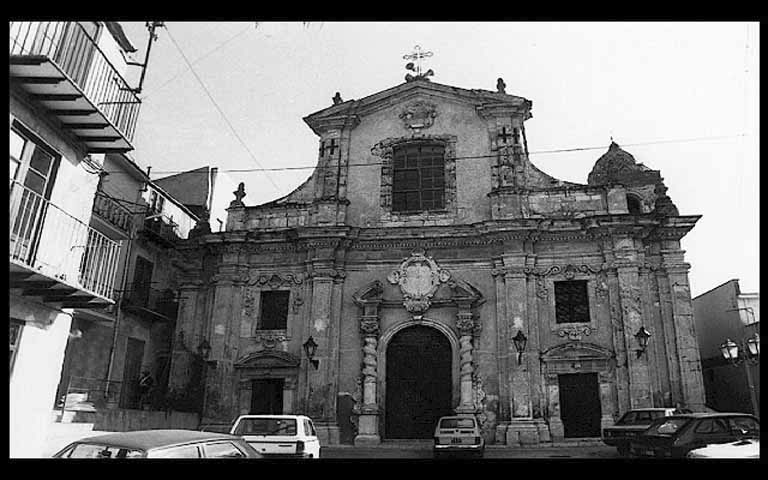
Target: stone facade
479, 270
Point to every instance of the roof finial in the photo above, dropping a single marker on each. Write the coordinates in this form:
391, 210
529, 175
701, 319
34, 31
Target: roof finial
337, 99
417, 55
501, 86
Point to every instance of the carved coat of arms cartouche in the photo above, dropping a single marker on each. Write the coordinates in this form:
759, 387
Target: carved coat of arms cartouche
419, 278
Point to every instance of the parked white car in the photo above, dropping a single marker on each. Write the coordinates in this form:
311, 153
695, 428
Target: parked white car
747, 448
279, 435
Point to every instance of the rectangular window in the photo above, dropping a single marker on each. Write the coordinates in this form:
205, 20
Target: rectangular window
14, 338
418, 181
33, 167
571, 302
142, 282
274, 310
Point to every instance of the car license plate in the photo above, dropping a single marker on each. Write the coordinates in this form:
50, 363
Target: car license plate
649, 453
455, 440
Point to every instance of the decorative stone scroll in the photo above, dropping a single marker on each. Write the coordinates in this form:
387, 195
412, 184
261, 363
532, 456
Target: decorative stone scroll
419, 277
574, 333
276, 280
569, 271
269, 339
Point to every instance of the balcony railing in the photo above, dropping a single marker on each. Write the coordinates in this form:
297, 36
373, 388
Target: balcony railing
77, 54
48, 240
90, 394
159, 302
161, 228
113, 212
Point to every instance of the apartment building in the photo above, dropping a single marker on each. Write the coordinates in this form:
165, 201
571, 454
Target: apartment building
69, 107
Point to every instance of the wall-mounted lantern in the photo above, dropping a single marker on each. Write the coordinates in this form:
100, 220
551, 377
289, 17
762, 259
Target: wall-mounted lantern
204, 349
750, 357
520, 341
750, 346
310, 347
642, 337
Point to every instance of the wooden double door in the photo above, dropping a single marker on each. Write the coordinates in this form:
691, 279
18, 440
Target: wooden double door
418, 382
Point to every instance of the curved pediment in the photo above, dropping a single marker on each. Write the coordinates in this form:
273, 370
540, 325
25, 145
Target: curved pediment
268, 359
369, 293
576, 351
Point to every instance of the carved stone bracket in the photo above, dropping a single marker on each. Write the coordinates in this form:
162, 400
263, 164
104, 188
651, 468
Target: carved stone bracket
297, 303
574, 333
541, 288
369, 326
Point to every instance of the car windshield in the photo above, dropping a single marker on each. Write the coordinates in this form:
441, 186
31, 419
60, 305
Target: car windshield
667, 427
640, 417
87, 450
266, 426
457, 423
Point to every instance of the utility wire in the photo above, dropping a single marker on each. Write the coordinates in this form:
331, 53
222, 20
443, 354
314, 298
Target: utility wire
231, 127
197, 60
474, 157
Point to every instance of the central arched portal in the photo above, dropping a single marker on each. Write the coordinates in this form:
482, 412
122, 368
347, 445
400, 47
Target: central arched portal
418, 382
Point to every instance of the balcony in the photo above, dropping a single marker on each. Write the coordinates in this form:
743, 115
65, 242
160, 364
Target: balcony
156, 305
60, 65
161, 229
113, 213
55, 256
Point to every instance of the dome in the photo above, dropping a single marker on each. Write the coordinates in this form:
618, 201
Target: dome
615, 166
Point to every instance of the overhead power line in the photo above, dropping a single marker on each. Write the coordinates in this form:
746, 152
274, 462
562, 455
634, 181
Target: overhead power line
199, 59
223, 115
473, 157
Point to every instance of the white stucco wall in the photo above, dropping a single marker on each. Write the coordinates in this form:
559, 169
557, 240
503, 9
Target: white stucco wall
35, 376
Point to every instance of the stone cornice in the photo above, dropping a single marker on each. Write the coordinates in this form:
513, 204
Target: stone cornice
470, 235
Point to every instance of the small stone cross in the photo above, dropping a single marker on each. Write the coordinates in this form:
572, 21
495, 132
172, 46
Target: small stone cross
504, 135
331, 147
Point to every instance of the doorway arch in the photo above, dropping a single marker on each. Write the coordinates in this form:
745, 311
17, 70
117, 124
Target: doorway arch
419, 378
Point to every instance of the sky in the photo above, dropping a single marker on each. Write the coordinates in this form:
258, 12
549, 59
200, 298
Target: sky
686, 93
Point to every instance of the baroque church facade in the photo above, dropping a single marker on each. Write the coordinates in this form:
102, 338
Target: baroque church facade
427, 267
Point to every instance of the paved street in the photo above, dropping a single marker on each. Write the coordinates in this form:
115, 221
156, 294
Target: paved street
491, 452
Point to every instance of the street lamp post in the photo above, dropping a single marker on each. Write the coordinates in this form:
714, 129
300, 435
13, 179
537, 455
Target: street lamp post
750, 355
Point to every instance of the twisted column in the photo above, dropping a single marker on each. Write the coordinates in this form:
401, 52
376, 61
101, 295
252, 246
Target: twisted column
466, 327
368, 424
370, 363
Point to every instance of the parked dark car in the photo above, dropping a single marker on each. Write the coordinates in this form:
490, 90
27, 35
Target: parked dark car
159, 444
675, 436
631, 424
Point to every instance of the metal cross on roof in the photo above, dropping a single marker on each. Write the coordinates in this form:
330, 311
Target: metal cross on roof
417, 55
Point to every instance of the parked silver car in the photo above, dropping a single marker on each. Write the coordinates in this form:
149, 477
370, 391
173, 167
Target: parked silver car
159, 444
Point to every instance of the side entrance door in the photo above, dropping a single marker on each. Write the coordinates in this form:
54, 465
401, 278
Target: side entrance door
580, 404
134, 353
267, 396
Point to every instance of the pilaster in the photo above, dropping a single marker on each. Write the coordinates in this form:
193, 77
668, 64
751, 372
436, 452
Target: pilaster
692, 383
